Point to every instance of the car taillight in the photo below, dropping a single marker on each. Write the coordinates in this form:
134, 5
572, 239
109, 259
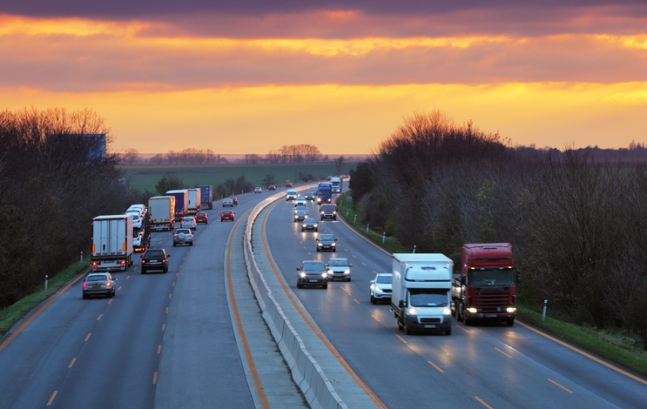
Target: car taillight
94, 264
108, 284
163, 260
143, 261
85, 285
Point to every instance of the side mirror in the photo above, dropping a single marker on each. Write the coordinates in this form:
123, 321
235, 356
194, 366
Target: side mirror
372, 281
350, 265
298, 269
335, 239
142, 256
518, 277
402, 304
168, 255
463, 280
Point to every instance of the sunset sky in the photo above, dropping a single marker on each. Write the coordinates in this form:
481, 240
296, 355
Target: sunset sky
242, 77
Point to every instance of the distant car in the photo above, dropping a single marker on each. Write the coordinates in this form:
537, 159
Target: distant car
310, 195
235, 199
271, 187
339, 269
137, 218
137, 239
381, 287
310, 224
99, 284
327, 242
312, 274
189, 222
182, 236
155, 259
300, 201
227, 215
288, 184
202, 217
300, 207
300, 215
142, 207
291, 195
258, 190
328, 212
228, 202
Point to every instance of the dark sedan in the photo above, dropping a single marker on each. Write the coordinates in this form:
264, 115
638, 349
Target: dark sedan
310, 224
326, 242
312, 274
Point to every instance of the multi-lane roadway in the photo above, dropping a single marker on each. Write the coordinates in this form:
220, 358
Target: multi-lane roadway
169, 338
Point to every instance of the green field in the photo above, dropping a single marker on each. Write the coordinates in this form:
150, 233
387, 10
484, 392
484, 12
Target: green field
144, 178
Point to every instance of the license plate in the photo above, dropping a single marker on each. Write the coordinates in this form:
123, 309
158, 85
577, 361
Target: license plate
96, 285
430, 326
314, 281
491, 315
153, 261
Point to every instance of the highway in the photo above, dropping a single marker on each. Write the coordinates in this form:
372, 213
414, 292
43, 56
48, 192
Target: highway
171, 340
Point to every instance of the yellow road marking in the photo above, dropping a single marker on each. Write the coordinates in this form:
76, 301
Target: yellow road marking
99, 317
173, 285
109, 302
464, 329
159, 349
561, 386
119, 289
436, 366
88, 336
509, 356
400, 338
483, 402
154, 378
364, 264
256, 379
579, 351
71, 363
355, 299
51, 399
166, 312
163, 327
127, 277
170, 295
376, 319
316, 331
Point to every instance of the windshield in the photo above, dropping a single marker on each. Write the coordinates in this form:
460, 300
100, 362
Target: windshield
326, 237
313, 267
154, 253
337, 262
484, 278
384, 279
425, 297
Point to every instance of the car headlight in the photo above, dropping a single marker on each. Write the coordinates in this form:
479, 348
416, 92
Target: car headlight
347, 272
447, 311
333, 244
412, 311
378, 289
511, 310
303, 275
319, 244
324, 275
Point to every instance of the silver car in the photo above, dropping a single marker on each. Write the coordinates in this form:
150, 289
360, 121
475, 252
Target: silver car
183, 236
339, 269
381, 287
99, 284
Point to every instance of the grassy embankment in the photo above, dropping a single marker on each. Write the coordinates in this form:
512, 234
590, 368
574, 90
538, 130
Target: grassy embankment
15, 312
614, 346
145, 177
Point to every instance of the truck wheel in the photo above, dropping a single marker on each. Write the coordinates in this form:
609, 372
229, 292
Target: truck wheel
407, 330
510, 322
400, 325
466, 320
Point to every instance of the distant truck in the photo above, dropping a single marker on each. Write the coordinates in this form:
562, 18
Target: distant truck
335, 183
194, 200
324, 193
181, 202
206, 195
112, 242
421, 292
142, 235
486, 286
161, 210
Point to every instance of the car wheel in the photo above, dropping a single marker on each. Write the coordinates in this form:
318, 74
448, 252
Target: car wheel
302, 229
348, 279
317, 229
112, 294
299, 285
143, 271
325, 286
372, 300
166, 270
174, 244
335, 250
317, 250
191, 244
448, 332
85, 296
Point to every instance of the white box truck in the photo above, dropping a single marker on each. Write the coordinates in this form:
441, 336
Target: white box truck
421, 292
194, 201
162, 212
112, 242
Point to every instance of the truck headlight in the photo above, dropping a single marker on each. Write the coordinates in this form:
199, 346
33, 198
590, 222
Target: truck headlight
472, 310
447, 311
511, 310
412, 311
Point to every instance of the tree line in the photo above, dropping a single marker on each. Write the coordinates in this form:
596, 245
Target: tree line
54, 178
577, 222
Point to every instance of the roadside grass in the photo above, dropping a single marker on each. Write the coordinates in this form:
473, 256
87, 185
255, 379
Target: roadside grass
613, 345
15, 312
143, 178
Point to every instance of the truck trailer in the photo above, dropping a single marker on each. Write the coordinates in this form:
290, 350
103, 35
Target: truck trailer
421, 292
181, 202
194, 200
206, 195
486, 286
112, 242
161, 211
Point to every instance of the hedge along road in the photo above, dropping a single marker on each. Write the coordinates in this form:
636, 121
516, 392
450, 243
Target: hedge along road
477, 366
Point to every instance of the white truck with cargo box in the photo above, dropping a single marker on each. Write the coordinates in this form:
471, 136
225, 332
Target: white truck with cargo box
195, 201
162, 212
421, 292
112, 242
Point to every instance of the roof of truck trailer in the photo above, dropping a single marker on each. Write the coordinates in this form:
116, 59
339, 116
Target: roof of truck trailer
113, 216
177, 191
421, 257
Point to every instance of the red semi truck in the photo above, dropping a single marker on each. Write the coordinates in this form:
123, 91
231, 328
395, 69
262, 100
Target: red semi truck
486, 286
